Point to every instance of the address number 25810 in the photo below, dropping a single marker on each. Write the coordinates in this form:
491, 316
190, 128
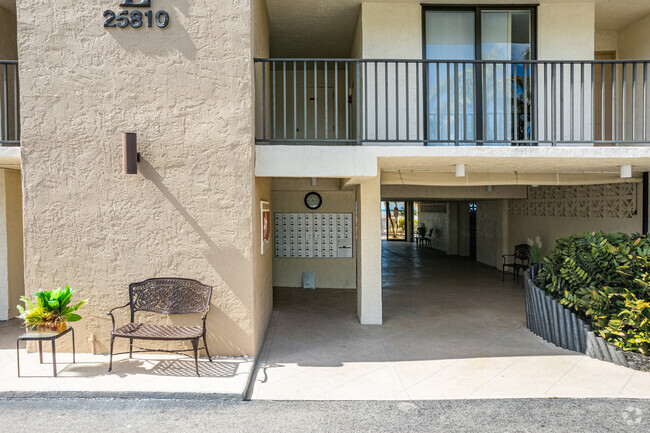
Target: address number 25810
136, 19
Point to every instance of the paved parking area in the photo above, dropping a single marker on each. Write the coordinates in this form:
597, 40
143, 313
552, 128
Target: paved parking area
452, 330
197, 416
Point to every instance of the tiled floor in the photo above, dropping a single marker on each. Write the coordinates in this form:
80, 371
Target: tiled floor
150, 374
452, 329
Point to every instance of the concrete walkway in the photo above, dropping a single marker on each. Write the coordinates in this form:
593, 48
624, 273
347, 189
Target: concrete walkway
452, 329
152, 375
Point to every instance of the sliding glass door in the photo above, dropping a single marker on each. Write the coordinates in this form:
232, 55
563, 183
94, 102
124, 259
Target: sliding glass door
487, 103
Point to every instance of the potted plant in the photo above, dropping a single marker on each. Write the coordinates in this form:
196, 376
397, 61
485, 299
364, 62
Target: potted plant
50, 311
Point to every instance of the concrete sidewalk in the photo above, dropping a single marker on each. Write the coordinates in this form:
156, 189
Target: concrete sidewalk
148, 375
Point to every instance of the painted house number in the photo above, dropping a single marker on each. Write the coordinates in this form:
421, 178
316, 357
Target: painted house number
136, 19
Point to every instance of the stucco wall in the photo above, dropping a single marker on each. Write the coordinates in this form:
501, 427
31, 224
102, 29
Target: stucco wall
392, 30
262, 263
490, 231
439, 222
566, 31
609, 212
606, 41
633, 40
186, 90
332, 273
8, 47
369, 289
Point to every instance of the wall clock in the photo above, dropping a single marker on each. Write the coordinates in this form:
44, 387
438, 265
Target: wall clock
313, 200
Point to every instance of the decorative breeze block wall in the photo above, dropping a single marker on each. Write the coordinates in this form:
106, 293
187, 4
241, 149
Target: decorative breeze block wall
579, 201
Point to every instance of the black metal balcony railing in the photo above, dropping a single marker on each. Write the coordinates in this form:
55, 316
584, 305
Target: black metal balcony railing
456, 103
9, 107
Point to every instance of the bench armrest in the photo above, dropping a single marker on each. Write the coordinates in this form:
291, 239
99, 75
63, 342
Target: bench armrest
110, 313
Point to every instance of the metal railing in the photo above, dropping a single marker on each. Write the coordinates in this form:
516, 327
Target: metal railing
452, 102
9, 106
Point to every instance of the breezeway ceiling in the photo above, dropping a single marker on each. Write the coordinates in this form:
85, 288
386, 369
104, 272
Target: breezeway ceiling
325, 28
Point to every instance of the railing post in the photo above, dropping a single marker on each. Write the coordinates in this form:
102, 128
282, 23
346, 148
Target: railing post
358, 86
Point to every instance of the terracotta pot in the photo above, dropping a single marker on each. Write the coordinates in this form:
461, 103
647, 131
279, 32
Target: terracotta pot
50, 327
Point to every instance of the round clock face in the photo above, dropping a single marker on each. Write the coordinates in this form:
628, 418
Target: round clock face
313, 200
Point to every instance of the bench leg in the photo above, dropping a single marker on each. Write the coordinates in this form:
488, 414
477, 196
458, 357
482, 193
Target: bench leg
205, 343
110, 362
195, 345
130, 348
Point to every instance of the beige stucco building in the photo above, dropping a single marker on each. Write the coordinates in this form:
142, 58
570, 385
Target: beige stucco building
493, 122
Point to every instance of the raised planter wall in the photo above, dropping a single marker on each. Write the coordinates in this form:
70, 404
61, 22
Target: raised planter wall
556, 324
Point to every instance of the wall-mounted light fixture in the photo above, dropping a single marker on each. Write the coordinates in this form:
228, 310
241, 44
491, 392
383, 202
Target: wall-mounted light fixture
460, 170
130, 152
626, 171
489, 188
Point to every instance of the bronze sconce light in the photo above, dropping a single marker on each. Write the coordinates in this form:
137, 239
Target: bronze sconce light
130, 151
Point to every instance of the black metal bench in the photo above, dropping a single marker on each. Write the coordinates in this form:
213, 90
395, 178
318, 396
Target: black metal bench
165, 296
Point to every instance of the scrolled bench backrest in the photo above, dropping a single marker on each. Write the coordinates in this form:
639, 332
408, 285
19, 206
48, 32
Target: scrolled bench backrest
170, 296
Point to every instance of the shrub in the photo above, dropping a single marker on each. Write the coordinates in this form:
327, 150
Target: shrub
604, 278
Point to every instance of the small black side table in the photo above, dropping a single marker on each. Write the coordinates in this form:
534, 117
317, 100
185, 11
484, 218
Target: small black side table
40, 337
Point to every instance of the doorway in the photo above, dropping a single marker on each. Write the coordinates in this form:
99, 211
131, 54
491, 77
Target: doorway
394, 217
472, 230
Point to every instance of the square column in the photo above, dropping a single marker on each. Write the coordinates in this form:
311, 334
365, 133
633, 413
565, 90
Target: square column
369, 302
4, 264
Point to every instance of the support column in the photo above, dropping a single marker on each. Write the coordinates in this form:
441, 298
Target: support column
369, 307
4, 263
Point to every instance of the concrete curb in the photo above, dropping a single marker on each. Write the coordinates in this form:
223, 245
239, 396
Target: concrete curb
119, 395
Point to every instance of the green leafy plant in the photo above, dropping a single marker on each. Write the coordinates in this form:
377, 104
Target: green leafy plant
422, 230
49, 307
604, 278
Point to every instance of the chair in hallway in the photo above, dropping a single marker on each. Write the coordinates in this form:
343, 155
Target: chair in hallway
428, 238
520, 260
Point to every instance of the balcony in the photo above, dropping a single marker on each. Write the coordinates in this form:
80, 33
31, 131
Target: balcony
9, 104
452, 103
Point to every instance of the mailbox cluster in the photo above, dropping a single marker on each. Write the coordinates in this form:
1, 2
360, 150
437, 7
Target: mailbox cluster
323, 235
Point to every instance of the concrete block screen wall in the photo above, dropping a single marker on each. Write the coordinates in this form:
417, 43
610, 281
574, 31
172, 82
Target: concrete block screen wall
186, 90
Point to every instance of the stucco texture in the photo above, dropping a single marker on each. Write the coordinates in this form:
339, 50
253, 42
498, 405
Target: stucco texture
190, 211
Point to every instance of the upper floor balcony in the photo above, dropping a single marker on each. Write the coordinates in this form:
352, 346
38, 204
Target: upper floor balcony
452, 102
9, 104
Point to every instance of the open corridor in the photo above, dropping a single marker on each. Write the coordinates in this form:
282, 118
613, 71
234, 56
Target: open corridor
452, 329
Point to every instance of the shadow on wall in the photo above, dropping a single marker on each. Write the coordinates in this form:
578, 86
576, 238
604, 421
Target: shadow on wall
227, 261
148, 41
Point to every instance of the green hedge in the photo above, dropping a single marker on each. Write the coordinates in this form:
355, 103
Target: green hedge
604, 277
